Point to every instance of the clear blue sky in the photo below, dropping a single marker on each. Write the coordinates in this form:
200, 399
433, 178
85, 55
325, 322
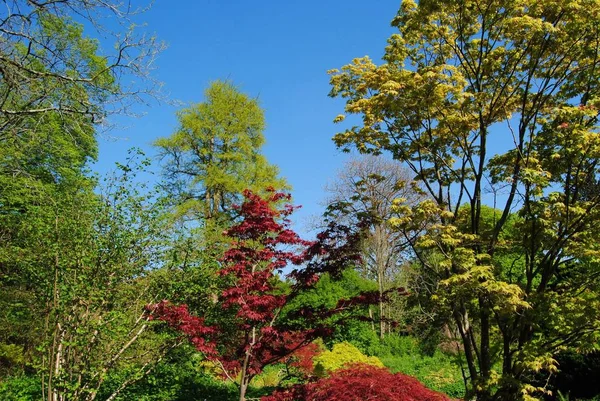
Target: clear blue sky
276, 50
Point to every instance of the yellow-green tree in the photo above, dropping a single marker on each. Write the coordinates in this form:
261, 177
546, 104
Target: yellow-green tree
495, 101
216, 153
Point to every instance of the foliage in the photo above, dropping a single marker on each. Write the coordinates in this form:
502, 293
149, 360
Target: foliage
79, 259
215, 153
497, 98
368, 189
180, 376
270, 377
350, 325
358, 383
20, 388
438, 371
340, 356
255, 336
51, 69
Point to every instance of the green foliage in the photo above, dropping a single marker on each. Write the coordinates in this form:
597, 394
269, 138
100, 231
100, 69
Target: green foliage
271, 377
340, 356
180, 377
326, 294
11, 355
215, 153
439, 371
21, 388
82, 258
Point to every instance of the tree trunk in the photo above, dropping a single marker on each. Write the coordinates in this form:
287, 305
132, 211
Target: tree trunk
243, 389
372, 319
467, 345
381, 307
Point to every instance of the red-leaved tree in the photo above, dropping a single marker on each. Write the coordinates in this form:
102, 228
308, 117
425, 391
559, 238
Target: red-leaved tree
255, 336
359, 383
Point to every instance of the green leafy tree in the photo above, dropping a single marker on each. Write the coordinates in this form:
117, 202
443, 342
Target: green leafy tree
41, 164
47, 64
349, 325
215, 153
207, 163
498, 98
75, 267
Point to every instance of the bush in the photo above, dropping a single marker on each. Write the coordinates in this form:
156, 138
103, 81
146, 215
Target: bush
20, 388
271, 377
340, 356
439, 371
359, 383
183, 375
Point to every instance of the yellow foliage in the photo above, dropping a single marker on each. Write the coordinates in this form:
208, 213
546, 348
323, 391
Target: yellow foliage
341, 355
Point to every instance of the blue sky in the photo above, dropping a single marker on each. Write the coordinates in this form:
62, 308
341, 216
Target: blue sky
276, 50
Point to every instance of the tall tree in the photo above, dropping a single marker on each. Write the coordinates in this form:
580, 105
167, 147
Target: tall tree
73, 272
369, 189
500, 96
47, 64
257, 335
215, 153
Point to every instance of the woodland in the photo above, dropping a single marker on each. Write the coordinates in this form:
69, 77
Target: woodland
458, 257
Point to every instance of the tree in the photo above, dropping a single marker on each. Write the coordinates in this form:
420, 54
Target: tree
354, 325
215, 153
47, 65
255, 335
366, 189
74, 275
503, 96
71, 261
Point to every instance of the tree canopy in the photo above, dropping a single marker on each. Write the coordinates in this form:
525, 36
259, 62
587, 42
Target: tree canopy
495, 102
216, 153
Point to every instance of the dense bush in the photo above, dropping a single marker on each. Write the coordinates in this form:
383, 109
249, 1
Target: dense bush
325, 295
359, 383
340, 356
438, 371
20, 388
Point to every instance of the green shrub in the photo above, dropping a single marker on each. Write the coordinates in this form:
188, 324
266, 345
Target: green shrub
439, 371
270, 377
11, 354
21, 388
394, 345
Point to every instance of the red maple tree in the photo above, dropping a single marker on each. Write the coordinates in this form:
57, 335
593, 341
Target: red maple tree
262, 245
359, 383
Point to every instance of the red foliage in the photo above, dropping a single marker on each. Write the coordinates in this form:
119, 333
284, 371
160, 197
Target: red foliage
262, 245
302, 359
360, 383
178, 317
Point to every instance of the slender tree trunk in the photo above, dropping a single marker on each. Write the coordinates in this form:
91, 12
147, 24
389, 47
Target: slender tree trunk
55, 351
381, 306
245, 379
243, 389
485, 360
467, 345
